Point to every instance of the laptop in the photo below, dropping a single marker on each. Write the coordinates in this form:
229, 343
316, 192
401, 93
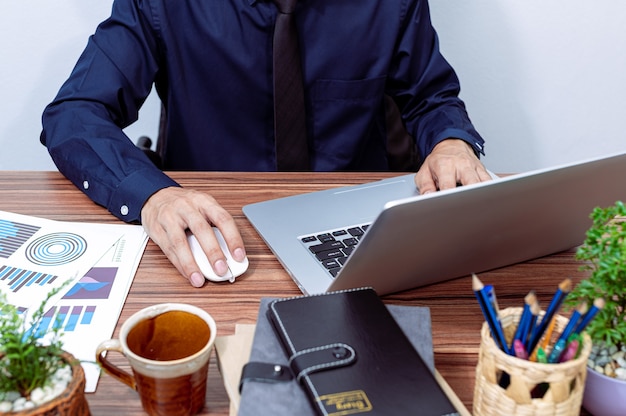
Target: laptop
386, 236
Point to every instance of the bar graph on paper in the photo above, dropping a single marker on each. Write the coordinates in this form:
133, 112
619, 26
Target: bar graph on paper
13, 235
17, 279
66, 317
77, 308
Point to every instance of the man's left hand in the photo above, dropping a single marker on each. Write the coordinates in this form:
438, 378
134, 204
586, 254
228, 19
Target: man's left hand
451, 162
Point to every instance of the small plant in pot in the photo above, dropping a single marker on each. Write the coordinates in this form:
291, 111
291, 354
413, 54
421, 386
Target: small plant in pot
604, 254
37, 377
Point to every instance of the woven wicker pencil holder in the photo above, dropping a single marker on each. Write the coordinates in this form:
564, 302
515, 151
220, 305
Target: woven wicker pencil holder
507, 385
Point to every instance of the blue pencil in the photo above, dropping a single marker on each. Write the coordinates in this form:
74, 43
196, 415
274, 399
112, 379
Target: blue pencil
522, 327
490, 315
561, 293
535, 309
598, 304
573, 321
491, 295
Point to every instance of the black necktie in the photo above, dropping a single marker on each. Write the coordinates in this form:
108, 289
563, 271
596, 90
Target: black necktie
289, 117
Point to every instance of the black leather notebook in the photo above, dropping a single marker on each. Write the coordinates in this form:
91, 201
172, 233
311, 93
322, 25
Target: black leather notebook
351, 357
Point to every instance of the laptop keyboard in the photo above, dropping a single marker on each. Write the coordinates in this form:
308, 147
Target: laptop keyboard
332, 248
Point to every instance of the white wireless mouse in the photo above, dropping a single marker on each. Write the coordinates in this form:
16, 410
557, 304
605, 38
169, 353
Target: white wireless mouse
235, 268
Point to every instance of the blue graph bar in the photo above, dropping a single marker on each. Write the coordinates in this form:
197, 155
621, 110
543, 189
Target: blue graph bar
71, 323
6, 272
48, 278
21, 278
45, 323
88, 315
60, 319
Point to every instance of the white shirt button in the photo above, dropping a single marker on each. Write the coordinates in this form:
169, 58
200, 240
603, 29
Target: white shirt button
86, 184
124, 210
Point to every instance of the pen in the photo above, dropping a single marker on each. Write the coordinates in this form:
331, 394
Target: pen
573, 321
598, 304
490, 314
562, 291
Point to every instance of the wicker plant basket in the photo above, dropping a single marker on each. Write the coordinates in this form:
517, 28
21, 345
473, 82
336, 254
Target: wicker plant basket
561, 385
71, 402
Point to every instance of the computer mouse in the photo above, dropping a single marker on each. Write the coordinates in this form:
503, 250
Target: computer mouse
235, 268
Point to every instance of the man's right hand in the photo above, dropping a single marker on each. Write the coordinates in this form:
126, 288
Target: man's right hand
167, 215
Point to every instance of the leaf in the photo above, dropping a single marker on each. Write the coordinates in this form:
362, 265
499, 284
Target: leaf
27, 364
604, 255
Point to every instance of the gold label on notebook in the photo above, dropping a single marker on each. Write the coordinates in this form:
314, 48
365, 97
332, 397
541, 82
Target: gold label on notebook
346, 403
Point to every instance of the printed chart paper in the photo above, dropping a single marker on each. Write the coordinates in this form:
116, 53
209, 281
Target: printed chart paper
38, 255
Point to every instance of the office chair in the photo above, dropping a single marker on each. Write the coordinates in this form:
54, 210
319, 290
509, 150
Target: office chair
401, 150
145, 142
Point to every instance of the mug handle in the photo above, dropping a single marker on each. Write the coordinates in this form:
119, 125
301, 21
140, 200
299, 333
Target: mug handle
112, 369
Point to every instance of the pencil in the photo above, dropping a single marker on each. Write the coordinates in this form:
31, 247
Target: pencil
571, 351
562, 291
522, 327
580, 310
598, 304
557, 350
535, 309
548, 336
490, 315
518, 348
541, 356
491, 295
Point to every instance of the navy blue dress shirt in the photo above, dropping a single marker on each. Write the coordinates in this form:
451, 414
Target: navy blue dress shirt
211, 63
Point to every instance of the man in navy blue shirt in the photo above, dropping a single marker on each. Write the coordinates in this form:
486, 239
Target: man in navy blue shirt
211, 63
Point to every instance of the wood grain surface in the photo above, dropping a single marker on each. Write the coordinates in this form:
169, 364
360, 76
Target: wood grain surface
456, 317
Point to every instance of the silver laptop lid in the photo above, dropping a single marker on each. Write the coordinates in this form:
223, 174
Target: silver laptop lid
419, 240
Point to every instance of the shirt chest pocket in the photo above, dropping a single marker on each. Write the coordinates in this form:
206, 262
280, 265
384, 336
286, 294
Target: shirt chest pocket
345, 107
348, 122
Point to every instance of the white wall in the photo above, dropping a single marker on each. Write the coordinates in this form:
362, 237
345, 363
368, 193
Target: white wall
40, 41
544, 82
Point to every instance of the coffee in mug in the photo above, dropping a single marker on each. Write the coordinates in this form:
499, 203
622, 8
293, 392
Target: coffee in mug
168, 347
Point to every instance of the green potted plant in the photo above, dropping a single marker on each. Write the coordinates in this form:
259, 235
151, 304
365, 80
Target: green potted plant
37, 377
604, 254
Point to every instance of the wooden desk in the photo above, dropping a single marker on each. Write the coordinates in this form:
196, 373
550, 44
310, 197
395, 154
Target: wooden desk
456, 317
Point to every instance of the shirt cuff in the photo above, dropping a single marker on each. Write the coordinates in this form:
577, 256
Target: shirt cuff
478, 144
128, 200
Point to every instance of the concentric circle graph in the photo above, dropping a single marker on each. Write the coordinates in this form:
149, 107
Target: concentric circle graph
56, 249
